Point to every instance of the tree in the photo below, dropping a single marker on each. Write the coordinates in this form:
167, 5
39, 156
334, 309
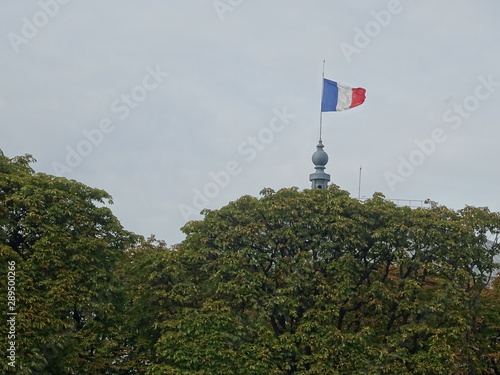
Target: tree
489, 326
310, 282
315, 282
65, 245
141, 275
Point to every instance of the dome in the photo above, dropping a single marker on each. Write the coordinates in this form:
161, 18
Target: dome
320, 157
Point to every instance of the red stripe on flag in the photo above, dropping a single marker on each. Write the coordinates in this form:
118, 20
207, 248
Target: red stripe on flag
358, 97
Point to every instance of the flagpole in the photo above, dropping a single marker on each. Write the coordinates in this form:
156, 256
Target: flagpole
320, 105
359, 183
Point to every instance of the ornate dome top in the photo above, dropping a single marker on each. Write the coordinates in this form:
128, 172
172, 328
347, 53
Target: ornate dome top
320, 157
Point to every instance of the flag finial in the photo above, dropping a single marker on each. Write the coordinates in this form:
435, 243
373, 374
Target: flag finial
319, 179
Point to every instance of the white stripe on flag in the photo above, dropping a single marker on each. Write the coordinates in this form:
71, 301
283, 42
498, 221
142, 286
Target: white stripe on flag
344, 97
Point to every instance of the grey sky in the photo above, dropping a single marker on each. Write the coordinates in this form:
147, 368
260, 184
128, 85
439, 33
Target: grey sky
171, 93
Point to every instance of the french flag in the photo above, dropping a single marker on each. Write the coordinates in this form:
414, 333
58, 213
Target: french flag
337, 97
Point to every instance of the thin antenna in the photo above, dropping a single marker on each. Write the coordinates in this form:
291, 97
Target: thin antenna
359, 183
321, 101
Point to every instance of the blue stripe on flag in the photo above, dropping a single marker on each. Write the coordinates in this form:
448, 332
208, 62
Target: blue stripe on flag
330, 96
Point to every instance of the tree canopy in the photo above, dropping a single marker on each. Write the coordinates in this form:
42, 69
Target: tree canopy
65, 244
315, 282
292, 282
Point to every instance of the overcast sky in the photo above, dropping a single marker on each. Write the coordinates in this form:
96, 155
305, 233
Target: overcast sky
171, 106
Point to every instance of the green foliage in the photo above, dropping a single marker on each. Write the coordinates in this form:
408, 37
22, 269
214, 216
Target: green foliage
145, 273
316, 282
66, 244
308, 283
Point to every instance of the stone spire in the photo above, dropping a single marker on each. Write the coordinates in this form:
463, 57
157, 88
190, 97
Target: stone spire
319, 179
